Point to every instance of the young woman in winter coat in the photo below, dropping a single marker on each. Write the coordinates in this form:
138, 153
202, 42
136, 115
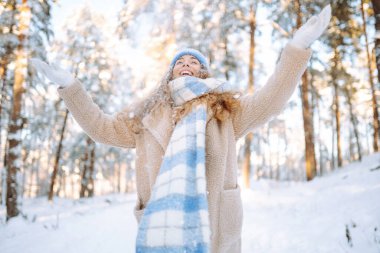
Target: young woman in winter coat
185, 134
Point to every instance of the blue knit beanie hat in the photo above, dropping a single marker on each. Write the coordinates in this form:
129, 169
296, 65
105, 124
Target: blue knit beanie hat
190, 51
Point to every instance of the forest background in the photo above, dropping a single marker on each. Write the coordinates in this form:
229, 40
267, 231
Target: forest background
120, 51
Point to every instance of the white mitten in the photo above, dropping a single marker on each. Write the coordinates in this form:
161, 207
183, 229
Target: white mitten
53, 73
312, 29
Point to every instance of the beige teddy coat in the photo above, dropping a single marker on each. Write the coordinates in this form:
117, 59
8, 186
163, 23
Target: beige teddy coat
225, 205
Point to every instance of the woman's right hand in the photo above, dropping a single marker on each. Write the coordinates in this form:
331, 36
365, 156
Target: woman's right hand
312, 29
53, 73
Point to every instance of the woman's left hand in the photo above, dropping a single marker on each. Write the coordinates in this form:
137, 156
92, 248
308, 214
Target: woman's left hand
312, 29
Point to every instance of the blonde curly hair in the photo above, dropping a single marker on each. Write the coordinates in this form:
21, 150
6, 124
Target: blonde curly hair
221, 104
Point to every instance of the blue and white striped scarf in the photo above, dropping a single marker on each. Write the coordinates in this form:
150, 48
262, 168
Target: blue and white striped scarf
176, 217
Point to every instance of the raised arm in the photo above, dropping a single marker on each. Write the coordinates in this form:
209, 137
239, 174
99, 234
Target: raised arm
112, 130
101, 127
258, 108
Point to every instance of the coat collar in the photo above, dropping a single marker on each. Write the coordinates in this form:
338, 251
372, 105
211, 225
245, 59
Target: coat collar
159, 124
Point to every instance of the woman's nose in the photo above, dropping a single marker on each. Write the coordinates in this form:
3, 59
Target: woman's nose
186, 64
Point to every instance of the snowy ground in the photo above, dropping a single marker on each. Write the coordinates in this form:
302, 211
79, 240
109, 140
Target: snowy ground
338, 213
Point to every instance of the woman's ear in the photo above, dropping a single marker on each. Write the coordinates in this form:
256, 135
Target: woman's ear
203, 72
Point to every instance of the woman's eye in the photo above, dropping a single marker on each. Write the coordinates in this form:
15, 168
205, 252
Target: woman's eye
178, 62
194, 62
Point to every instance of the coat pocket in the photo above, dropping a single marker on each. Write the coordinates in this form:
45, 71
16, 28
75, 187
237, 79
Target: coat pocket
231, 217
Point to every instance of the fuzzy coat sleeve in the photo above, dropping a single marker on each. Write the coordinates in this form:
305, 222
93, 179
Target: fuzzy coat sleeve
101, 127
258, 108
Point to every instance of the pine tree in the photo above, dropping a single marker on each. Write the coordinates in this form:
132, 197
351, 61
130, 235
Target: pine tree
311, 165
290, 16
342, 40
248, 19
9, 42
23, 23
374, 90
84, 49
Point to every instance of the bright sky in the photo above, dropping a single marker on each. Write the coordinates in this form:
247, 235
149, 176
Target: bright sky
63, 9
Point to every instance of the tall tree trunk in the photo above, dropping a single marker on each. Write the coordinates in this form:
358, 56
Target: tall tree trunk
315, 96
336, 107
3, 94
266, 173
4, 176
311, 165
37, 181
376, 122
321, 164
376, 9
83, 181
57, 157
32, 176
333, 139
3, 180
226, 55
337, 122
59, 149
118, 186
90, 186
248, 139
7, 57
276, 174
4, 61
16, 121
310, 161
87, 182
353, 120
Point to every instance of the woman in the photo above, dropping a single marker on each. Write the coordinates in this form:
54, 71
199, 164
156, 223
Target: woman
185, 134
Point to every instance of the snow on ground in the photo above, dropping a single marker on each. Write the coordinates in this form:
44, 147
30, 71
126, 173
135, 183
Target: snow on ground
318, 216
338, 213
103, 224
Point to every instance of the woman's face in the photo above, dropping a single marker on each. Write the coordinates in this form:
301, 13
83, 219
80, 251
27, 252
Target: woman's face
187, 65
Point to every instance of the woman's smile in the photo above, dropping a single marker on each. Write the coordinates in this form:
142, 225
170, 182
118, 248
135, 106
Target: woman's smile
186, 65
